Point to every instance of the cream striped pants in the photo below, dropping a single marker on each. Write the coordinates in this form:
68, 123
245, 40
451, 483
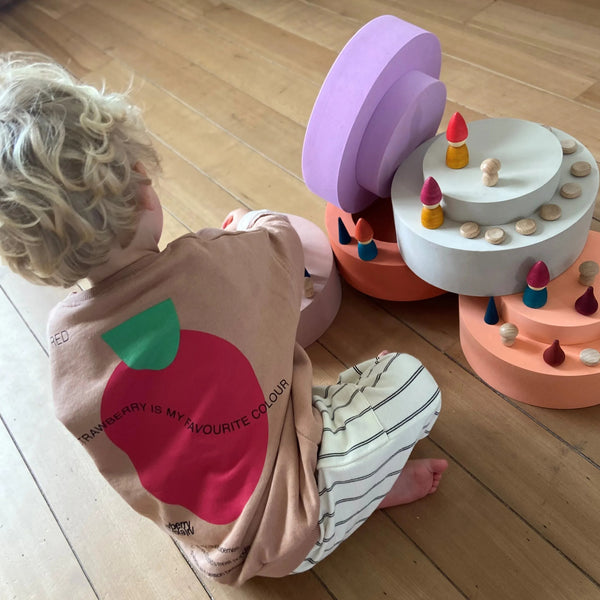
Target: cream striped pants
372, 418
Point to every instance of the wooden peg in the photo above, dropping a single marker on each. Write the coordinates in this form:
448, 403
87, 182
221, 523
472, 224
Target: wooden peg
490, 167
470, 230
589, 357
587, 272
495, 235
508, 333
489, 179
581, 168
570, 190
526, 226
550, 212
569, 146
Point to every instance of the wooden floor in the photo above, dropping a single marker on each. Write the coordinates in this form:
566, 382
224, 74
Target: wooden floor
227, 89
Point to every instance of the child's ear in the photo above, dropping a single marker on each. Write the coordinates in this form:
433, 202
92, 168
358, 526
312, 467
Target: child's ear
141, 170
145, 193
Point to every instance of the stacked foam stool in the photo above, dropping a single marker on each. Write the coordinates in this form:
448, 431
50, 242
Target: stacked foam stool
371, 143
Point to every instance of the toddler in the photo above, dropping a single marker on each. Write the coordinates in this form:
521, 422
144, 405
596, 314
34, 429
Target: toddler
178, 370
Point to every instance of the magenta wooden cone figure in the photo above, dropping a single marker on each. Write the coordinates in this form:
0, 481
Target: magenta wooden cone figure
587, 304
536, 294
554, 355
432, 214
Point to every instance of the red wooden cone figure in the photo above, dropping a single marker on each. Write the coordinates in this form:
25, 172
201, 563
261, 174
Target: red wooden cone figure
587, 303
457, 153
367, 249
430, 192
554, 355
363, 231
457, 130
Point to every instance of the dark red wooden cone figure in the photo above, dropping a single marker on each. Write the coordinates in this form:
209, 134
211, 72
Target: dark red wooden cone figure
554, 355
587, 303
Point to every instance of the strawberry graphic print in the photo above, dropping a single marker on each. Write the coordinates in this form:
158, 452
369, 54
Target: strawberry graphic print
195, 443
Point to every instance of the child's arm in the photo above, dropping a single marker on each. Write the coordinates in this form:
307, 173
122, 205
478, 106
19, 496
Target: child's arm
232, 219
283, 237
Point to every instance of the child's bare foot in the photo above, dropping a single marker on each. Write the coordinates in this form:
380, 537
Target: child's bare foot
418, 479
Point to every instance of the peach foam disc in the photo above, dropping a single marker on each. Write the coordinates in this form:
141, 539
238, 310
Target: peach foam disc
387, 276
317, 313
519, 371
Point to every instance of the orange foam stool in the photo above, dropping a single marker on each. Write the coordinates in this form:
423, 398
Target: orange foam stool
387, 276
519, 371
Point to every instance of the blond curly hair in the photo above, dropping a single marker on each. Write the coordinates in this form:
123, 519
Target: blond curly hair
67, 183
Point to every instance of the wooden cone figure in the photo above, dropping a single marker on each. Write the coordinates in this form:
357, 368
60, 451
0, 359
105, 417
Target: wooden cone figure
536, 294
587, 304
491, 314
343, 235
554, 355
367, 249
457, 155
432, 214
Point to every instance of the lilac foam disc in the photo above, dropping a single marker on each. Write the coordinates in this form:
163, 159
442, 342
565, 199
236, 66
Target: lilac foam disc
380, 100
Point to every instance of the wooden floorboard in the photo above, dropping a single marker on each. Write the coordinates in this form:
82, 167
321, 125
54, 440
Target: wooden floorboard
31, 541
227, 88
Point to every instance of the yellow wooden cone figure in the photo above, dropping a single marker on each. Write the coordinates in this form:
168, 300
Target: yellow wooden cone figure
432, 214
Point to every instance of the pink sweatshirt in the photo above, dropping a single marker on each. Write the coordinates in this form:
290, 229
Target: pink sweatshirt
181, 377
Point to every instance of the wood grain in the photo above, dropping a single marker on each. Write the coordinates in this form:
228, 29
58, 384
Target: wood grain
227, 88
